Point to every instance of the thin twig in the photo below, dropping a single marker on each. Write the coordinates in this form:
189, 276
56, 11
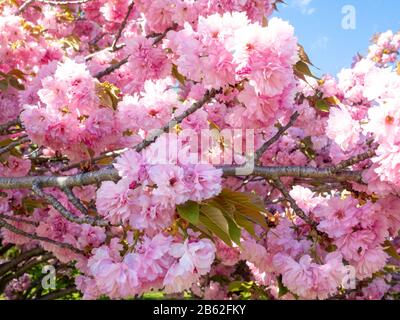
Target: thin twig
111, 68
122, 26
161, 36
12, 145
354, 160
117, 65
4, 268
276, 137
75, 201
36, 187
299, 212
5, 127
10, 227
210, 94
106, 155
18, 219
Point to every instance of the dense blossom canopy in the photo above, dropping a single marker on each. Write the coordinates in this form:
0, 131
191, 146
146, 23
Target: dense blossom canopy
100, 104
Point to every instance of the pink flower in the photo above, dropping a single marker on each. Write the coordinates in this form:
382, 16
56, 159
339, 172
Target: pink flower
91, 236
372, 261
342, 128
202, 181
310, 280
214, 292
354, 245
145, 60
130, 166
15, 167
384, 121
256, 254
114, 277
376, 289
114, 201
305, 198
228, 256
152, 258
338, 216
194, 259
169, 187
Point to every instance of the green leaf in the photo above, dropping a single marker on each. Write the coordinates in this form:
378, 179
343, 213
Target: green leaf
14, 82
246, 205
306, 146
189, 211
303, 55
17, 73
215, 229
108, 94
301, 69
245, 224
213, 219
30, 204
216, 216
282, 288
235, 286
234, 230
5, 142
322, 105
391, 250
3, 85
178, 76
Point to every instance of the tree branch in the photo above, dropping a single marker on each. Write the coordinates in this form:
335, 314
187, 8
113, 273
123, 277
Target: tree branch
24, 268
12, 145
110, 174
122, 26
58, 294
111, 68
18, 219
210, 94
4, 268
36, 187
6, 126
10, 227
354, 160
75, 201
296, 172
299, 212
276, 137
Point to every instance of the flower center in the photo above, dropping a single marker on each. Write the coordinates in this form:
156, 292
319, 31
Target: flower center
389, 120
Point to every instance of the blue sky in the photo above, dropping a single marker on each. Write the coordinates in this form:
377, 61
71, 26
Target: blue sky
318, 26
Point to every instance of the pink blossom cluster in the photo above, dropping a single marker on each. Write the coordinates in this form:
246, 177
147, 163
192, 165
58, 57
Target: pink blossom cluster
175, 52
65, 114
157, 262
17, 286
227, 49
385, 48
147, 194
